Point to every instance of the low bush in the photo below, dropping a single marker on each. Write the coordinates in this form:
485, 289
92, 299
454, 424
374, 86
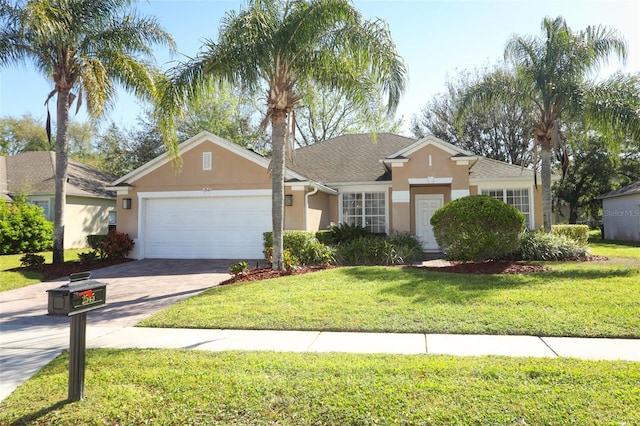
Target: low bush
345, 233
95, 243
477, 228
325, 237
89, 257
116, 245
303, 246
23, 228
578, 233
408, 248
538, 245
238, 269
370, 250
32, 260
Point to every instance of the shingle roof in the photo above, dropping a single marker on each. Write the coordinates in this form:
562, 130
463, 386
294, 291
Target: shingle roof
348, 158
4, 190
488, 168
634, 188
34, 171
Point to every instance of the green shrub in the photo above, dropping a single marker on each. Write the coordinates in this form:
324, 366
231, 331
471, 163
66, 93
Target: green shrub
539, 245
408, 248
238, 269
32, 260
325, 237
289, 261
370, 250
116, 245
477, 228
578, 233
303, 246
89, 257
345, 233
23, 228
95, 243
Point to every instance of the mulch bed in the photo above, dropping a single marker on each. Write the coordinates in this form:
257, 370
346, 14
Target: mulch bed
266, 273
54, 271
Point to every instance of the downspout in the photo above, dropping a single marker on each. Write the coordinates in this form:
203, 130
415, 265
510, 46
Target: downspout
306, 207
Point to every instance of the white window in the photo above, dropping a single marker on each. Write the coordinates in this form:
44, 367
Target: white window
518, 198
206, 161
44, 204
367, 209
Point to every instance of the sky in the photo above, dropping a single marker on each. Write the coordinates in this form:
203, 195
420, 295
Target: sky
438, 39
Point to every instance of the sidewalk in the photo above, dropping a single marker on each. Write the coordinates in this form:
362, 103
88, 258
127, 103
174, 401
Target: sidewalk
44, 343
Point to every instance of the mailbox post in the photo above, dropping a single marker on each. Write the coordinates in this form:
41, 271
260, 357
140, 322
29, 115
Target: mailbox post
74, 300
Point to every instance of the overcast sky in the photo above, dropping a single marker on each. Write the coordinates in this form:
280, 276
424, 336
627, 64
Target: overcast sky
437, 39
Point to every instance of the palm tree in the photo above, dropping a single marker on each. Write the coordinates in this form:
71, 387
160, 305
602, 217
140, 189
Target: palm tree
279, 46
83, 47
554, 74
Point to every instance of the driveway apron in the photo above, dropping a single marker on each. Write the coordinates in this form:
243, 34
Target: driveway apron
29, 339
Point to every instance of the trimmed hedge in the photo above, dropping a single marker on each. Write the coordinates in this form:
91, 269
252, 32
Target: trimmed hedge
578, 233
303, 246
478, 228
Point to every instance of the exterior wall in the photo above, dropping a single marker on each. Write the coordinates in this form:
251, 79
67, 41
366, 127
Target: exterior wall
320, 211
294, 214
85, 216
229, 171
621, 218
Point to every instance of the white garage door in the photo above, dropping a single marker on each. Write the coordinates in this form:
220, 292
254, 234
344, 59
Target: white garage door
206, 228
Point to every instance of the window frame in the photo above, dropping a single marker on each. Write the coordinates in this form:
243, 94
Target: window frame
529, 216
379, 194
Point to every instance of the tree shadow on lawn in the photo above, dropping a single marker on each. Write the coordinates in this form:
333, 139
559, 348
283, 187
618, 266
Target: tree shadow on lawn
423, 286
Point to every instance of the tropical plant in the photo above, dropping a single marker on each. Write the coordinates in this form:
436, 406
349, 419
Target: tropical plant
84, 47
554, 72
278, 46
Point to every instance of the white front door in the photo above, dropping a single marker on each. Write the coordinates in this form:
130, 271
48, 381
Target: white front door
426, 205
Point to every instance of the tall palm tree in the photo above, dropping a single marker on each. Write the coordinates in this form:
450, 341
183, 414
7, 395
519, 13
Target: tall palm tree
84, 47
554, 73
279, 46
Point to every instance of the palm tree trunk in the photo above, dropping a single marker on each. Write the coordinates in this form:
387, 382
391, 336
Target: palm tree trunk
545, 175
278, 142
62, 161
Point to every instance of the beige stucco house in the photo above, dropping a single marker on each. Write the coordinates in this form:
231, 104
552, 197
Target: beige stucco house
219, 203
90, 207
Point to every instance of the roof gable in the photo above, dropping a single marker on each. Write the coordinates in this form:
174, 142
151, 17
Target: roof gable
430, 140
193, 142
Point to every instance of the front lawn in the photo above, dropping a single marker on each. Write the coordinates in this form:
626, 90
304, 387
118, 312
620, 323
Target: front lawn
573, 299
11, 280
243, 388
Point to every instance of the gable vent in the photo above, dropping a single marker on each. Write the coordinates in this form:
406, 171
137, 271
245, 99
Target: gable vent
206, 161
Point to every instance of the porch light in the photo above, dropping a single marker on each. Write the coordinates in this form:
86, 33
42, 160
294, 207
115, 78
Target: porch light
288, 200
126, 203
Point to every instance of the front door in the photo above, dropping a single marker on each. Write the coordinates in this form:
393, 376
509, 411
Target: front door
426, 205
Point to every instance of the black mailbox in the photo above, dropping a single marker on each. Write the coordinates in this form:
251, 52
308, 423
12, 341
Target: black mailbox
80, 295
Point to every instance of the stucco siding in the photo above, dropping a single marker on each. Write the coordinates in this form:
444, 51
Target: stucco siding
85, 216
621, 218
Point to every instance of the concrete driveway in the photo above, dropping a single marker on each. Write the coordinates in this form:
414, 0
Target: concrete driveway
29, 339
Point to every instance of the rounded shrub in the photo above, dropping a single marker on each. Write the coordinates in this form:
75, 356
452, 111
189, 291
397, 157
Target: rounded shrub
477, 227
542, 246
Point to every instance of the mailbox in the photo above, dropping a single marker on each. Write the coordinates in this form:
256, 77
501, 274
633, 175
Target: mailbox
80, 295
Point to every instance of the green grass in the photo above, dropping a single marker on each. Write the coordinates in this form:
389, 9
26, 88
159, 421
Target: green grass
13, 280
573, 299
165, 387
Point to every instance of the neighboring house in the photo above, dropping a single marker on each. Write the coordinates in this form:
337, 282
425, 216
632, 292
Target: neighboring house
90, 207
219, 203
621, 213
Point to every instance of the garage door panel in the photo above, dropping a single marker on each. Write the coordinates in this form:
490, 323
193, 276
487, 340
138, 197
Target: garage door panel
208, 228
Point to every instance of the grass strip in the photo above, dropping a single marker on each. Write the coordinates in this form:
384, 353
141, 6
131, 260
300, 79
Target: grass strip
127, 387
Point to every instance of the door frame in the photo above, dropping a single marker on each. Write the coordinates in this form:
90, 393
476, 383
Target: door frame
422, 197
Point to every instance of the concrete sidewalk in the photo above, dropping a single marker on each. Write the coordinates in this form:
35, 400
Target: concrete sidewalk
26, 351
